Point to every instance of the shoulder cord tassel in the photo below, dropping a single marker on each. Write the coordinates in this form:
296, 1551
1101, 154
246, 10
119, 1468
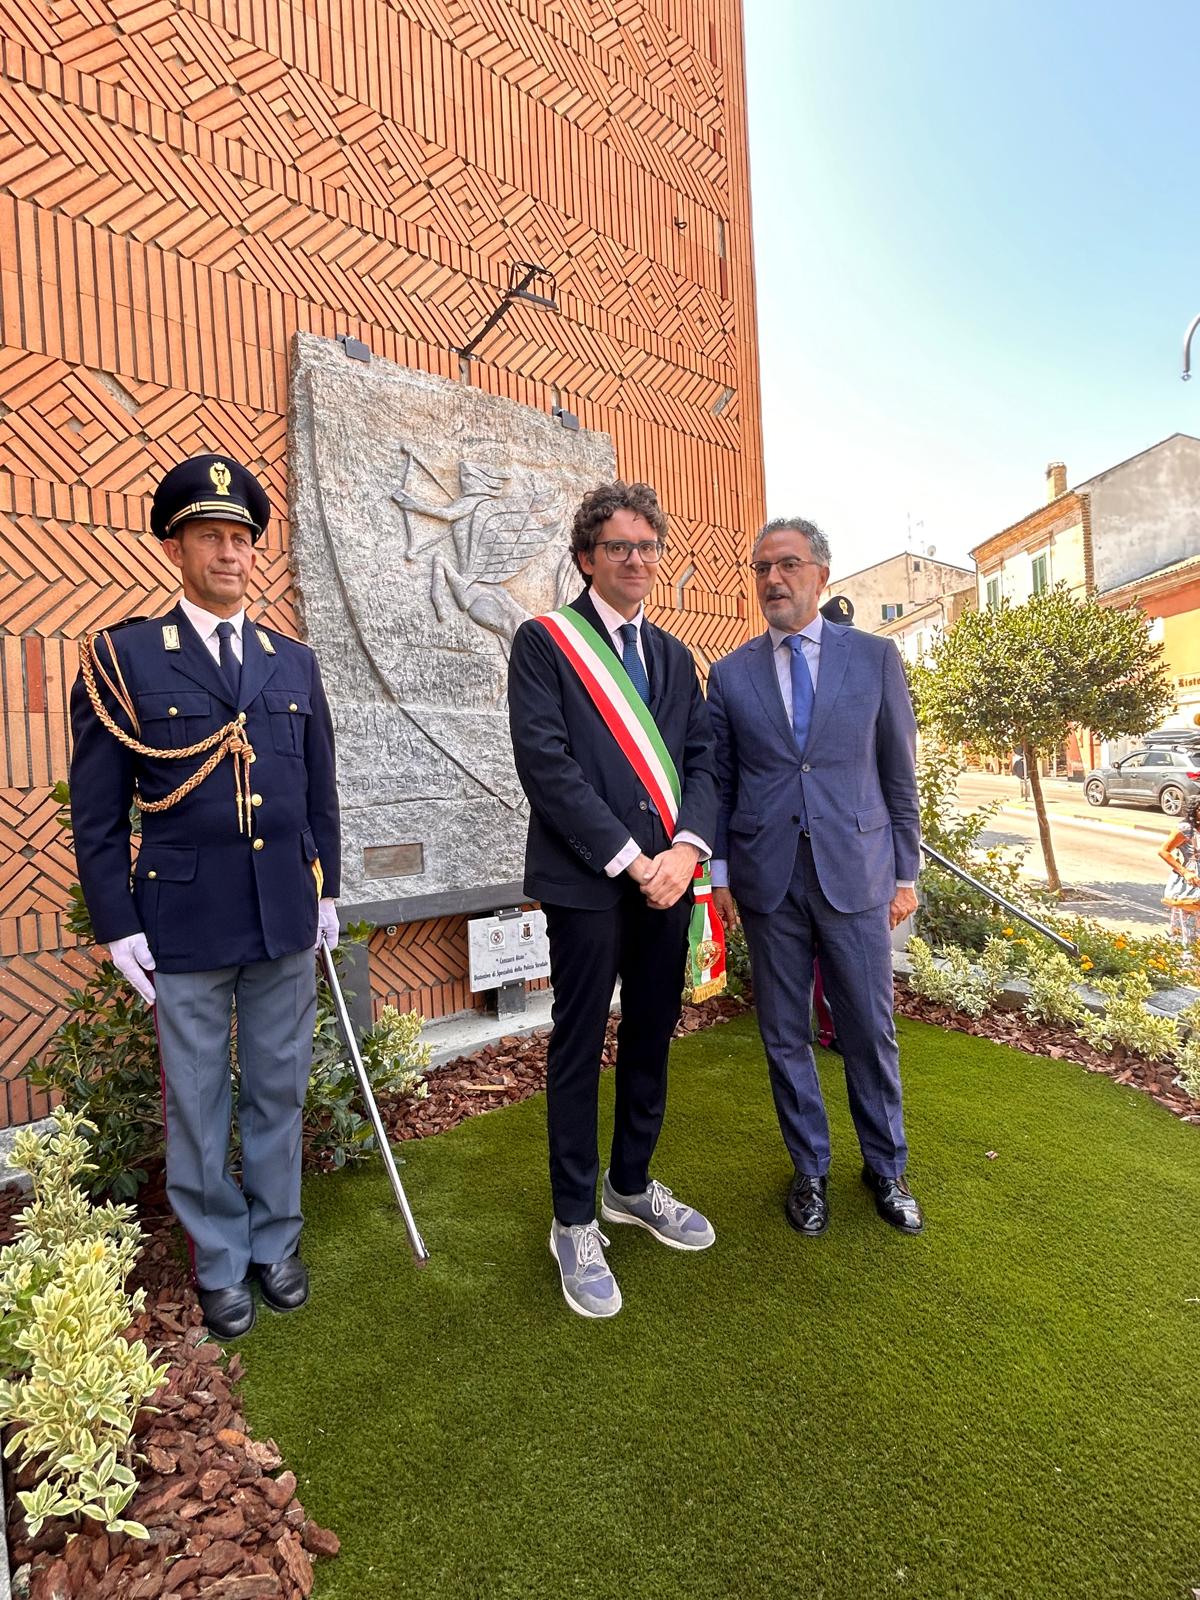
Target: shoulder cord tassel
230, 740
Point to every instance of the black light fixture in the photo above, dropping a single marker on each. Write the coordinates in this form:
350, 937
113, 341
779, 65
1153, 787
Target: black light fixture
521, 275
567, 418
353, 349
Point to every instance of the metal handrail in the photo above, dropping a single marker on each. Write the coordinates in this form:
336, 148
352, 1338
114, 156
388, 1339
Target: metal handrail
939, 860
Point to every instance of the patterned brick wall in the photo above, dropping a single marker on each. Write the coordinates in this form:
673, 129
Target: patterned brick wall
184, 183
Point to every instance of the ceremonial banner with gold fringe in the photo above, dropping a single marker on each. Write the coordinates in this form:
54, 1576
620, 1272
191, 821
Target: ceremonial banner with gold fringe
706, 942
627, 717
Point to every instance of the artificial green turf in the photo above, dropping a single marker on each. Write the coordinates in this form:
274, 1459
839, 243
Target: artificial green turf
1005, 1408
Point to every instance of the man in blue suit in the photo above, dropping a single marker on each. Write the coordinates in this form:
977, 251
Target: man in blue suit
219, 732
818, 843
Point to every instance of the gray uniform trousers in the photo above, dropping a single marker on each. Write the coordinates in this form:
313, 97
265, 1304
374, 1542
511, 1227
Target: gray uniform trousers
229, 1226
855, 948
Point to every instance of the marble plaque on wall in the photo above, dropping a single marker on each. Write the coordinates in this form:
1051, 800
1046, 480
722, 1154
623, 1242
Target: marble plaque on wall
428, 521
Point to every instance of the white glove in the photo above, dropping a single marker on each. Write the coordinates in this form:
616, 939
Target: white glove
327, 924
131, 957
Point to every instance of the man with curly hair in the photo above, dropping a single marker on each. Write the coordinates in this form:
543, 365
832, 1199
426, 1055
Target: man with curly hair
603, 705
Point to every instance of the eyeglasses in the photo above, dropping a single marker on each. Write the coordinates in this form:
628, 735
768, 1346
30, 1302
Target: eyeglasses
650, 550
788, 565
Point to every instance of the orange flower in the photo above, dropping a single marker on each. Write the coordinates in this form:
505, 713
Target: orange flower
1086, 963
1007, 932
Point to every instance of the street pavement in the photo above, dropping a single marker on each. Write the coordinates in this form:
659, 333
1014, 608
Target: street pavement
1110, 852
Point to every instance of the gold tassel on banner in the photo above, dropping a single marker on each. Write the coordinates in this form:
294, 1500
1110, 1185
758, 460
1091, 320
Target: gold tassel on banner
230, 740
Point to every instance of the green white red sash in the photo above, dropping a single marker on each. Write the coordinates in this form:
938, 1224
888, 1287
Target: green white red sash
625, 713
627, 717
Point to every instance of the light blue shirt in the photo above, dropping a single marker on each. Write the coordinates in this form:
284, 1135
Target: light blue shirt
810, 646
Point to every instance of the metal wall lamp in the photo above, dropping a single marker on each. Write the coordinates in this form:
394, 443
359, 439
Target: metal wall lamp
1187, 348
521, 274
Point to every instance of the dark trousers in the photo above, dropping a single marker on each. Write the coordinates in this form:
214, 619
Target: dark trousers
589, 950
856, 965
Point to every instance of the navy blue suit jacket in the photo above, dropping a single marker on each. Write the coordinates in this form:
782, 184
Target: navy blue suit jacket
585, 800
858, 769
200, 891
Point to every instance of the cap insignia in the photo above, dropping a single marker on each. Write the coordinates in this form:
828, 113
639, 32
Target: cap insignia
220, 475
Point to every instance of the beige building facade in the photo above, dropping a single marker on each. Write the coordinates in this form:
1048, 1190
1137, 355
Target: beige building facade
892, 589
917, 631
1128, 535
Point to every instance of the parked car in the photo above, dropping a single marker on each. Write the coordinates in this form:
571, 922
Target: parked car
1162, 778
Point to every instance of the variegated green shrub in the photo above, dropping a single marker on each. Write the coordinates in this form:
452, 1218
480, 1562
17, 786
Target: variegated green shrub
73, 1384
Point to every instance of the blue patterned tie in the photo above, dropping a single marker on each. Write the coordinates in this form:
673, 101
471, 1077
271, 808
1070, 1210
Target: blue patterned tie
802, 692
802, 704
632, 662
230, 665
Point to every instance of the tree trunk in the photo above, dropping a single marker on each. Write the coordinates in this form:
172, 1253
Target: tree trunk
1039, 805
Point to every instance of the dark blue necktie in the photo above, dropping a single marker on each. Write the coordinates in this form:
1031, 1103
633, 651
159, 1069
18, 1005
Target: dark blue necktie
802, 704
632, 662
230, 665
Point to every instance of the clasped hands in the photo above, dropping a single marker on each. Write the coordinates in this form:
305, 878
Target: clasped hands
664, 877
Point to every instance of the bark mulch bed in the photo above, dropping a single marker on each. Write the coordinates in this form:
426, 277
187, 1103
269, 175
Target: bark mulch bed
1060, 1044
223, 1518
224, 1521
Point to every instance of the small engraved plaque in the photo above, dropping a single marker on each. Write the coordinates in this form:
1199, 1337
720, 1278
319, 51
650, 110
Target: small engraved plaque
393, 860
507, 949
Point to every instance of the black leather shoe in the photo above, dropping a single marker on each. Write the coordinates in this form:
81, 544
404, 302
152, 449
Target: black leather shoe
284, 1284
807, 1208
228, 1313
894, 1201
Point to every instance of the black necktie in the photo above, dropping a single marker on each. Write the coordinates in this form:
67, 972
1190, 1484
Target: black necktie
230, 665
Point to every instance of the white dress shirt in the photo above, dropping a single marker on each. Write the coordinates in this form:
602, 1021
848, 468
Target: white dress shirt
205, 625
781, 650
613, 622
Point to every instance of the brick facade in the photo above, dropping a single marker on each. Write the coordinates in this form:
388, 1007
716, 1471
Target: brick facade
183, 185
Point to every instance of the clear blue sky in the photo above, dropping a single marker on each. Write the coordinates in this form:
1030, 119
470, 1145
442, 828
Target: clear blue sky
977, 243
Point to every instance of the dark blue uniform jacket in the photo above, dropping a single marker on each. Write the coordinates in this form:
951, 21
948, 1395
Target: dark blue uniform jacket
204, 895
585, 799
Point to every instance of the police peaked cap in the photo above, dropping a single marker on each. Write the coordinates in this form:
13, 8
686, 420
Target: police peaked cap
838, 608
209, 486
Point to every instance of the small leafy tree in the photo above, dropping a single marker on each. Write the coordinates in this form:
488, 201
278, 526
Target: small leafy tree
1020, 677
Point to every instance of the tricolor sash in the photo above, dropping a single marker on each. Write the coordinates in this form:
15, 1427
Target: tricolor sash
627, 717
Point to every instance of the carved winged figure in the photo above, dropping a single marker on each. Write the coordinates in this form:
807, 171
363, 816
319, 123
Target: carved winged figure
498, 523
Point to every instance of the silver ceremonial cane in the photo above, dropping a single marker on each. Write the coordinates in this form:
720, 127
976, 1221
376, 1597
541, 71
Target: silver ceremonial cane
420, 1253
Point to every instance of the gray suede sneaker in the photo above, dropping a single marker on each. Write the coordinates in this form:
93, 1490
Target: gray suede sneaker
588, 1286
658, 1211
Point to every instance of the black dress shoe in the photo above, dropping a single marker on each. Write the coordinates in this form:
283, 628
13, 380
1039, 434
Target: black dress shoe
807, 1208
894, 1201
284, 1284
228, 1313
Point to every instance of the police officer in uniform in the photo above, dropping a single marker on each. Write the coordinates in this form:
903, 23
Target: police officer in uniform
218, 730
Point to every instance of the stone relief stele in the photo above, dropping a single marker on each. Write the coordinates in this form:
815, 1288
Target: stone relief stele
429, 520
